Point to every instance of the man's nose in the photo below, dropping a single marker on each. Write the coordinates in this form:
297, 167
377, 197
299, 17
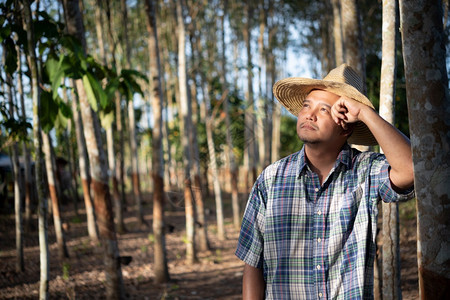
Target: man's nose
311, 115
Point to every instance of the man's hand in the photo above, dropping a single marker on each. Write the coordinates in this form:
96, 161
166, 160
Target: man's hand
346, 111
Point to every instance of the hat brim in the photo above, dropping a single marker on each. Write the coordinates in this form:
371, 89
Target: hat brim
291, 92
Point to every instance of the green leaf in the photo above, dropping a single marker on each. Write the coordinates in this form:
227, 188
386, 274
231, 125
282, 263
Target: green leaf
48, 111
106, 118
64, 109
90, 92
11, 56
61, 120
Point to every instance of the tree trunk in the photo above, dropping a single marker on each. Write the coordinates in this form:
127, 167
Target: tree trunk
352, 42
213, 162
230, 167
28, 185
42, 200
339, 50
249, 132
17, 183
391, 239
132, 128
352, 37
261, 107
160, 258
428, 97
102, 199
119, 183
56, 211
83, 162
185, 128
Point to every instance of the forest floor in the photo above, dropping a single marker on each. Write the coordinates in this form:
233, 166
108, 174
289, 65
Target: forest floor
217, 275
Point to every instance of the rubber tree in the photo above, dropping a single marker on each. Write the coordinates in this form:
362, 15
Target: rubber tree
37, 141
391, 287
424, 56
160, 258
98, 166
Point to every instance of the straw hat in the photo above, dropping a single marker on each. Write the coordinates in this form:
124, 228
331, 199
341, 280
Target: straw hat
342, 81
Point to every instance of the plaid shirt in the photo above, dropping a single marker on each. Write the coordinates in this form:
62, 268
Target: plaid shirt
316, 241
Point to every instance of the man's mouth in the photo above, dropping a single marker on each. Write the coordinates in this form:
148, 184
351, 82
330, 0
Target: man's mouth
308, 126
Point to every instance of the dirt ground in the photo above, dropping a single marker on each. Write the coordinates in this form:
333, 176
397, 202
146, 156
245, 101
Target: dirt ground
217, 275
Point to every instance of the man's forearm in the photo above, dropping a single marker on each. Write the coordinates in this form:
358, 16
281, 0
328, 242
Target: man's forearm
395, 146
253, 285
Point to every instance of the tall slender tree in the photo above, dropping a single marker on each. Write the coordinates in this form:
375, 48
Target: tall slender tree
28, 185
160, 258
99, 173
83, 162
132, 125
186, 127
54, 196
37, 141
424, 56
17, 180
391, 255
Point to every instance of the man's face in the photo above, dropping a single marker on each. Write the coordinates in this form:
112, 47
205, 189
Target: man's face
315, 124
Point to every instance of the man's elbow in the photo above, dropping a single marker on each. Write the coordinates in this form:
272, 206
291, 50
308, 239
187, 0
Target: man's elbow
403, 179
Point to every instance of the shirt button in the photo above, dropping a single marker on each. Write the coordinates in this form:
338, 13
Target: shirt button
319, 212
320, 295
316, 189
318, 267
319, 240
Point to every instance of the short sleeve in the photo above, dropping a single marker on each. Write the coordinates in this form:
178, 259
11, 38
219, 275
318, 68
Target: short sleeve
251, 242
380, 179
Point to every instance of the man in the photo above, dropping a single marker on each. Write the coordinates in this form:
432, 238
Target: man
308, 231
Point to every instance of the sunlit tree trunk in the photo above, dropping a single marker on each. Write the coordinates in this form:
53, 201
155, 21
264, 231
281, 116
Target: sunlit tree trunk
69, 148
28, 185
261, 107
428, 97
42, 200
185, 128
230, 167
160, 258
337, 32
353, 48
132, 127
391, 287
83, 162
212, 154
17, 182
249, 147
352, 43
56, 211
102, 199
119, 152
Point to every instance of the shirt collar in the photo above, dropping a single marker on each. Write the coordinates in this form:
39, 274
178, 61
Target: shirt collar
344, 157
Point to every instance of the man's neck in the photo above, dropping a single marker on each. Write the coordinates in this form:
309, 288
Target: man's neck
321, 159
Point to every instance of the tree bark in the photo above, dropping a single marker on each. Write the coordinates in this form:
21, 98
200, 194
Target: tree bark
249, 132
42, 200
428, 97
17, 183
28, 185
99, 174
132, 127
391, 287
160, 258
339, 49
185, 128
56, 211
83, 162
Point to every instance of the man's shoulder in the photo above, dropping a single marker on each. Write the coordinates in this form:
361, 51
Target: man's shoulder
288, 163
